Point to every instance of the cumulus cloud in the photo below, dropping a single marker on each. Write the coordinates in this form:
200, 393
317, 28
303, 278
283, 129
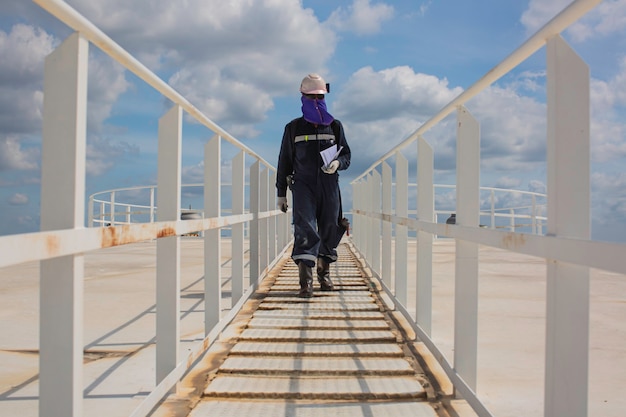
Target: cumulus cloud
14, 156
609, 198
18, 199
24, 50
107, 82
608, 18
21, 100
234, 55
378, 108
608, 130
361, 17
513, 129
103, 154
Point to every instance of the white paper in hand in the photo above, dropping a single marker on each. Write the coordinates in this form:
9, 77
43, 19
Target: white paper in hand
330, 154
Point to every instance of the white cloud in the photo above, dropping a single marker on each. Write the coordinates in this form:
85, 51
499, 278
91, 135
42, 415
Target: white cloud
107, 83
18, 199
24, 49
21, 100
608, 129
540, 12
230, 58
361, 17
103, 154
14, 156
508, 182
380, 108
609, 198
608, 18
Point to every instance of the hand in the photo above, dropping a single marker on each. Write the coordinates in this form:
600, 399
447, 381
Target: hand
331, 168
281, 203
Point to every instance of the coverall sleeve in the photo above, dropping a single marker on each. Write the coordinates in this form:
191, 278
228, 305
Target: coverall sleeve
285, 162
345, 155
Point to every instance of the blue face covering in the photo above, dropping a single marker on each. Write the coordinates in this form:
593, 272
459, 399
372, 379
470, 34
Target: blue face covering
314, 111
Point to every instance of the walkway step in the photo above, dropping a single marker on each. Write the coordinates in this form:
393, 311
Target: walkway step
312, 409
320, 314
333, 354
317, 349
347, 336
308, 387
301, 324
318, 365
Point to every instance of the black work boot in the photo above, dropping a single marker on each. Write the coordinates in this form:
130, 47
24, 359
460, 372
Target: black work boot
306, 280
323, 275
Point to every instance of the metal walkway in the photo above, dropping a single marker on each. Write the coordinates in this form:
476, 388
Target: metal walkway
339, 353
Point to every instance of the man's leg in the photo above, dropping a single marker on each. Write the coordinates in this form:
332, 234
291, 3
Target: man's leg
306, 240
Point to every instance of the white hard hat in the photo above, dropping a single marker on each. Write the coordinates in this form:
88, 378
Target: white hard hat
313, 84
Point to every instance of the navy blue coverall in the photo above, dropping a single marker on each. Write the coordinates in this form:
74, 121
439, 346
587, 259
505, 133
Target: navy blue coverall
316, 196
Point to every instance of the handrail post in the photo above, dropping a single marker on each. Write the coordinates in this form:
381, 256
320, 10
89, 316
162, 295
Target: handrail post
168, 248
402, 210
264, 223
112, 208
568, 167
466, 266
273, 232
387, 182
152, 204
238, 202
425, 212
376, 222
212, 241
62, 207
254, 223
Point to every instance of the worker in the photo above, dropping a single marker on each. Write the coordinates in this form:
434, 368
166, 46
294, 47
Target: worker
312, 151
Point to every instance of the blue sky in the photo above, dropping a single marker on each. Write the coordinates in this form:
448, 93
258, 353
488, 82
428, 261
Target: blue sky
392, 65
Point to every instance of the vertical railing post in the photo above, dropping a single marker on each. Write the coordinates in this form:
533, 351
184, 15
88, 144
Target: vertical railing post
152, 189
264, 223
492, 197
568, 163
425, 212
90, 212
402, 210
102, 214
360, 228
372, 240
387, 181
376, 222
62, 207
466, 267
112, 208
533, 215
212, 239
272, 230
238, 201
255, 175
168, 248
366, 221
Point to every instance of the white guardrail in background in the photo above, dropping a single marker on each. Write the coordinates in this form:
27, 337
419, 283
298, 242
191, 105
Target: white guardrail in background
528, 214
566, 246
